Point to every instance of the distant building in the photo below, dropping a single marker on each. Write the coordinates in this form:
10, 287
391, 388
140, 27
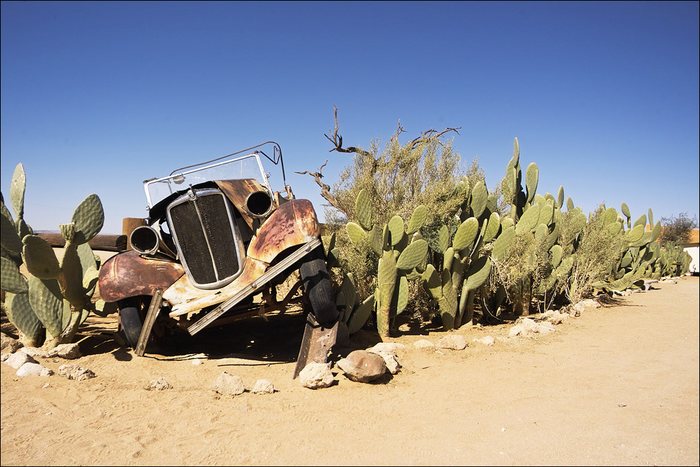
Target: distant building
693, 249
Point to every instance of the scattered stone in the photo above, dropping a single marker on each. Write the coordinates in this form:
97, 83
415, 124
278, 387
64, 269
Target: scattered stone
362, 366
9, 344
159, 384
555, 317
19, 358
35, 352
67, 351
263, 386
452, 342
33, 369
579, 307
197, 361
405, 327
75, 372
228, 384
486, 340
390, 347
387, 350
590, 303
316, 376
529, 327
423, 344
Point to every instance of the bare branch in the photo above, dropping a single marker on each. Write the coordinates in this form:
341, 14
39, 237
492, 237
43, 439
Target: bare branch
337, 139
431, 135
399, 130
325, 189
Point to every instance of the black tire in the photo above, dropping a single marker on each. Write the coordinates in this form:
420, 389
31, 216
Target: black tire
130, 319
319, 291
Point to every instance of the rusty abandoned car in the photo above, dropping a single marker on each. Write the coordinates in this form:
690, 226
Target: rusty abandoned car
215, 246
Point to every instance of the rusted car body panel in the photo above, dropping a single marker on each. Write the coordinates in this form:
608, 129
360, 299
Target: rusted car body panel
292, 224
237, 192
129, 274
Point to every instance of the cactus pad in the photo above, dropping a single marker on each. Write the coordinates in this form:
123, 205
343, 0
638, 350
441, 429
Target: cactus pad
363, 209
39, 258
12, 280
466, 234
418, 218
356, 233
88, 218
413, 255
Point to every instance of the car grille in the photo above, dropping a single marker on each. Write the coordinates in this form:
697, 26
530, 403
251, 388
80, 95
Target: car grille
207, 241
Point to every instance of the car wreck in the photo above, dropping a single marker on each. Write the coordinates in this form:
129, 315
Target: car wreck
214, 247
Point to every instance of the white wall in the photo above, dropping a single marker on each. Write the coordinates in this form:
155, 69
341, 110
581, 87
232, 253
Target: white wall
694, 252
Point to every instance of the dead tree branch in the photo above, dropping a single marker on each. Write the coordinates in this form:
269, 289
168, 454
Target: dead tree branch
429, 135
337, 139
325, 189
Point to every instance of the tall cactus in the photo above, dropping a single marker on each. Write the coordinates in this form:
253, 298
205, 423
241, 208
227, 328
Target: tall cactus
401, 251
463, 270
58, 294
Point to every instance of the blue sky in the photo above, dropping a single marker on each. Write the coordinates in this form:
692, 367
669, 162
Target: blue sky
98, 96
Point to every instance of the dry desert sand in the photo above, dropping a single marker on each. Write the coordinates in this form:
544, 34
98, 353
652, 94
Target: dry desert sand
616, 386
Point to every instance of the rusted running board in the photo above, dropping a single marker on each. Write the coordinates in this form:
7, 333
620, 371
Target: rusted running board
255, 285
316, 344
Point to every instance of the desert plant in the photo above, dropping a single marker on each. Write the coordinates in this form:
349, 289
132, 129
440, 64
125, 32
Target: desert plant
58, 293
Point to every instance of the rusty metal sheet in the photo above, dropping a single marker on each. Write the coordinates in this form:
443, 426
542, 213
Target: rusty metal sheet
185, 298
293, 223
128, 274
237, 191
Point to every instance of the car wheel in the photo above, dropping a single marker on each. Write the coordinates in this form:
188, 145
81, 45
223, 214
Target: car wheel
130, 319
319, 291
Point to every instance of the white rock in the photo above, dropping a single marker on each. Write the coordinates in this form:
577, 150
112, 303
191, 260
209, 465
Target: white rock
159, 384
452, 342
19, 358
590, 303
423, 344
197, 361
528, 327
557, 318
316, 376
263, 386
486, 340
67, 351
390, 347
4, 356
33, 369
75, 372
35, 352
228, 384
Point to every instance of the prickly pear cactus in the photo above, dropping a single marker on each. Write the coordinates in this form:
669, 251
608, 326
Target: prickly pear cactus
57, 295
402, 254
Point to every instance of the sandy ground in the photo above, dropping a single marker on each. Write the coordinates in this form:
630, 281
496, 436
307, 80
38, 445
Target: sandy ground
616, 386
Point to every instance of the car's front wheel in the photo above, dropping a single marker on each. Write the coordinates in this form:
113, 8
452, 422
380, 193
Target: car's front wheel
318, 290
131, 312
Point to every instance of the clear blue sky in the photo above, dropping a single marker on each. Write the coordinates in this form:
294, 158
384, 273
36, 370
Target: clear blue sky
98, 96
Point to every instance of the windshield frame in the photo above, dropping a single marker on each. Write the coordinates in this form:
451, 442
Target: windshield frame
170, 182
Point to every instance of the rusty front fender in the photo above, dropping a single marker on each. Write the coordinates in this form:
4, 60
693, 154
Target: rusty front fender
293, 223
128, 275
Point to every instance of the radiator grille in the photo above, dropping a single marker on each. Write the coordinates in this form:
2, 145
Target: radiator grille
206, 239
